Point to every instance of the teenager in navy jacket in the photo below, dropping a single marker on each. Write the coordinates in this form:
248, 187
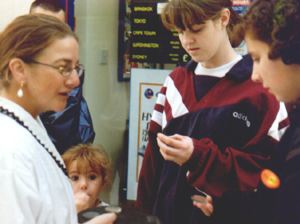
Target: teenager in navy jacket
273, 37
212, 128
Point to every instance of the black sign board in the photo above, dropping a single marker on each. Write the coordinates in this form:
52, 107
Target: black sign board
150, 41
144, 42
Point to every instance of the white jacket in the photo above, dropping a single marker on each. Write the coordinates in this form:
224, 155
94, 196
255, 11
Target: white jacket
33, 189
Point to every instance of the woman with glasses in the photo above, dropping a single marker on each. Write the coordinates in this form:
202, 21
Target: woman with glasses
39, 66
72, 125
273, 40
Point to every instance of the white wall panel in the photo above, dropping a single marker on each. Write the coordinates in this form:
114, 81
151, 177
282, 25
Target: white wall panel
11, 9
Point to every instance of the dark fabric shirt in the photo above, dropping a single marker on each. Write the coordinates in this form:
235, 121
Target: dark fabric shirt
264, 205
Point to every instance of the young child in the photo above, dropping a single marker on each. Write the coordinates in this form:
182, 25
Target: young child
89, 169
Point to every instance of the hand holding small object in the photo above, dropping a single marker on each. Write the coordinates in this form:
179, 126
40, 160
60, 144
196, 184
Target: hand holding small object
205, 203
176, 148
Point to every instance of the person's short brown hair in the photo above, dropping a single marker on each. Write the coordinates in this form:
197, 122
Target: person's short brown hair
276, 22
184, 14
51, 5
90, 156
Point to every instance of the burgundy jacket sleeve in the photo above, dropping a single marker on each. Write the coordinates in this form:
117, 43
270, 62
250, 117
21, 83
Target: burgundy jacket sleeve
153, 160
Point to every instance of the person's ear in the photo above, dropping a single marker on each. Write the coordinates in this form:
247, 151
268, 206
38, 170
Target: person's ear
225, 17
17, 69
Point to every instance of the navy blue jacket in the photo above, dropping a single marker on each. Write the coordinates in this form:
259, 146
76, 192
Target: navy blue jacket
280, 206
230, 128
71, 126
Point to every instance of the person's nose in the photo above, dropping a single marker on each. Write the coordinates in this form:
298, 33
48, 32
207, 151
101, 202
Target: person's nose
187, 38
83, 184
255, 74
73, 80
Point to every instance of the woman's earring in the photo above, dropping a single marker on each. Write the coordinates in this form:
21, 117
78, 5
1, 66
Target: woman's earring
20, 92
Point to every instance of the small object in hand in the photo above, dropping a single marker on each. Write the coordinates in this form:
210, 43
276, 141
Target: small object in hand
202, 193
124, 215
88, 214
114, 209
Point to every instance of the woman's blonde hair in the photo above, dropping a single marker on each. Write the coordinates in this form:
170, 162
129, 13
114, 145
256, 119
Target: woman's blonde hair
26, 37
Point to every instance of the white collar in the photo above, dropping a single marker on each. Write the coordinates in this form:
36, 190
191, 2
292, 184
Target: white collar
35, 125
218, 72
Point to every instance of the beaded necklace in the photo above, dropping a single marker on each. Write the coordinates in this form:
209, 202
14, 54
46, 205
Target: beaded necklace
18, 120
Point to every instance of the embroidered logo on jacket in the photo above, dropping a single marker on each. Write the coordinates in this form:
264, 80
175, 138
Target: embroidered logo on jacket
243, 117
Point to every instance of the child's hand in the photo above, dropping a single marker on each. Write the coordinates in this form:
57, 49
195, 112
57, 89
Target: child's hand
81, 201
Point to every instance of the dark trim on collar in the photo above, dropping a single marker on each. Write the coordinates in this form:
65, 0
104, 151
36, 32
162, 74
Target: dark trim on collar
240, 72
191, 66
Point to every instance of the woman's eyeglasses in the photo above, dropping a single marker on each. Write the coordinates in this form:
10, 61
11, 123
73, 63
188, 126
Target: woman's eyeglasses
63, 70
